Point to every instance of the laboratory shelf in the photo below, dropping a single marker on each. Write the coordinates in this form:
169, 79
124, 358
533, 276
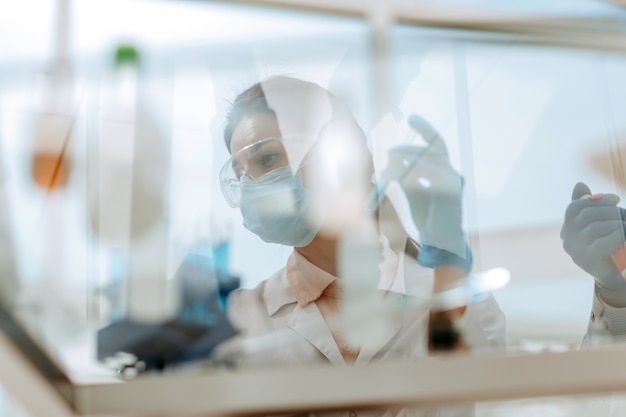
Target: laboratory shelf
430, 381
225, 391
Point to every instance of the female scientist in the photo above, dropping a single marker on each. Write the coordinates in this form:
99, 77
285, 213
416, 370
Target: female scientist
298, 164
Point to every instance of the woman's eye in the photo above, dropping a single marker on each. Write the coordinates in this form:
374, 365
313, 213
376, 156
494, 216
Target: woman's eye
268, 159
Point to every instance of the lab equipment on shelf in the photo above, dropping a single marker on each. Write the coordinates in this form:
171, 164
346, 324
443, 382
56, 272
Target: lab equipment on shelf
131, 346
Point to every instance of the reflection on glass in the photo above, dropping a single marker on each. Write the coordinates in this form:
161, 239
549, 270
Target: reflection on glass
342, 298
352, 241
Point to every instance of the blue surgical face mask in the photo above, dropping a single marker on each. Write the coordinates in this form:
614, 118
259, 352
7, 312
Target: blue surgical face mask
277, 208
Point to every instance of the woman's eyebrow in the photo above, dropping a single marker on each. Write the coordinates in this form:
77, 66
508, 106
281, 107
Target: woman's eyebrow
258, 146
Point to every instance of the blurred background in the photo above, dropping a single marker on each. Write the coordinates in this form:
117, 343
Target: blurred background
527, 94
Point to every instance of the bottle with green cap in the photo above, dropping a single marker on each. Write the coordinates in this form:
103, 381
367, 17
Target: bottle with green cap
126, 54
129, 208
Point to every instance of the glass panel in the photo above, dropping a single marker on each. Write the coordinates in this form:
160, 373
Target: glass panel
524, 124
110, 172
437, 169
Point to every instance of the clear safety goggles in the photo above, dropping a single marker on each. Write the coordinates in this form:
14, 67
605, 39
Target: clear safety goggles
257, 162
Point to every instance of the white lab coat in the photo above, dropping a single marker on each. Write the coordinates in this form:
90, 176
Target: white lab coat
271, 307
302, 335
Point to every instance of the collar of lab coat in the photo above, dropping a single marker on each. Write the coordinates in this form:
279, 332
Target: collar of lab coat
306, 281
278, 291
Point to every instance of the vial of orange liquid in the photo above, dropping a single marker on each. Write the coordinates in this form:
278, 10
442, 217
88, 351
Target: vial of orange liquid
50, 163
50, 170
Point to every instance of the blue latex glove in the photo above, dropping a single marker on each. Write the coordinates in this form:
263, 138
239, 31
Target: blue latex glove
434, 192
432, 257
593, 228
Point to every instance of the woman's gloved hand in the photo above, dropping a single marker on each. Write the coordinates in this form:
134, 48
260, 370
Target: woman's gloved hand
434, 191
593, 228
